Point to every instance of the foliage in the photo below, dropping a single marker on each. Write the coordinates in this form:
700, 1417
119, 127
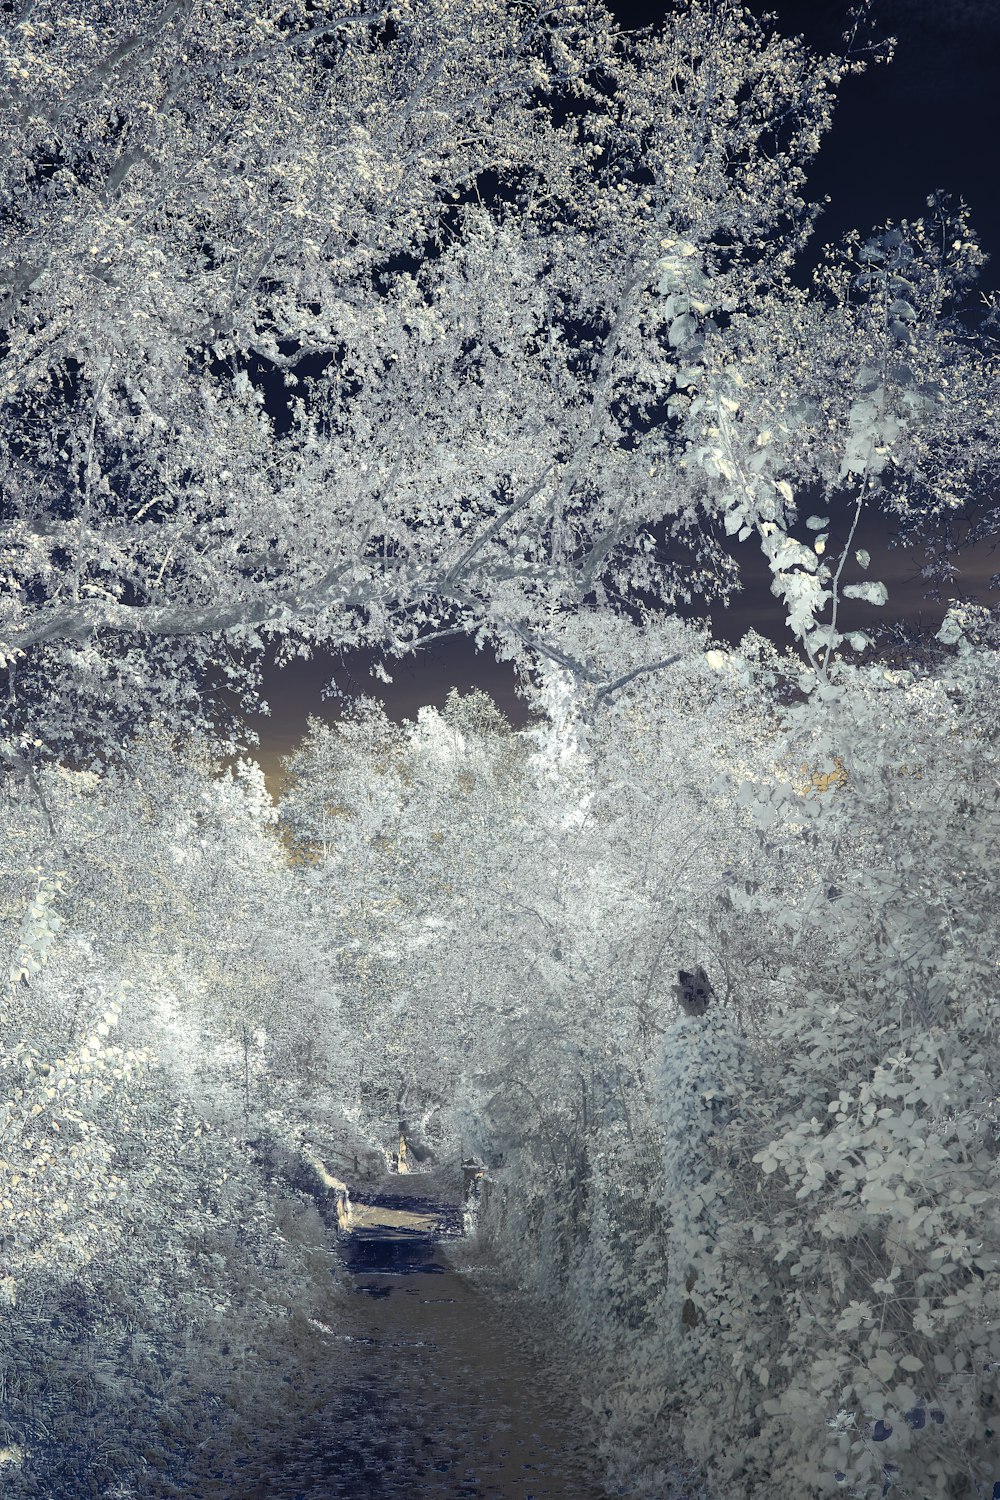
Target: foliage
147, 1259
363, 327
346, 327
821, 1247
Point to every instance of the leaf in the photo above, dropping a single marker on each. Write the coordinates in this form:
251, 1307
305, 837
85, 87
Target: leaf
871, 593
951, 629
681, 330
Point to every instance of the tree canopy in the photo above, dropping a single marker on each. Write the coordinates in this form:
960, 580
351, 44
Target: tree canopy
355, 325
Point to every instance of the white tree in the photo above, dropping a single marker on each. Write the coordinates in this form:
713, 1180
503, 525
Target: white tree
526, 281
145, 1256
365, 326
779, 1236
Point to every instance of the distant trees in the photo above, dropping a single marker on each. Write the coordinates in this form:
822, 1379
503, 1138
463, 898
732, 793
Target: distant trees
381, 816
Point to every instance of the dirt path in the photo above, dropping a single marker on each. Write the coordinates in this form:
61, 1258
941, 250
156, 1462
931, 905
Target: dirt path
436, 1397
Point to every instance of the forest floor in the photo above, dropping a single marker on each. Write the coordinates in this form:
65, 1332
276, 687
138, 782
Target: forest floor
419, 1384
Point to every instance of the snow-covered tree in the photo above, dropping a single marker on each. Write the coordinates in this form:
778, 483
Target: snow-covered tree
362, 324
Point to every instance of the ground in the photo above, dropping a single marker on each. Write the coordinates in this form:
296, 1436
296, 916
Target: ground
420, 1385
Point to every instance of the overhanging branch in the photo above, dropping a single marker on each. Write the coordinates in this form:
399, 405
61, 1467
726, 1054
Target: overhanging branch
620, 682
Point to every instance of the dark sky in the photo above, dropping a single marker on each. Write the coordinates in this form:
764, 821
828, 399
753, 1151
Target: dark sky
929, 120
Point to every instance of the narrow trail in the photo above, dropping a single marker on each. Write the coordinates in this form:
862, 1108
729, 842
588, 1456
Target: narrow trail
433, 1394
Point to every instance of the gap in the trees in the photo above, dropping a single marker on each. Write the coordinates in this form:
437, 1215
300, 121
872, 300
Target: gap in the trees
925, 121
912, 600
296, 690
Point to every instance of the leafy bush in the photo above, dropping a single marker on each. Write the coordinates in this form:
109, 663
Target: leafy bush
820, 1286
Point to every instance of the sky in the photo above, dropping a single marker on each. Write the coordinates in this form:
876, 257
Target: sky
927, 121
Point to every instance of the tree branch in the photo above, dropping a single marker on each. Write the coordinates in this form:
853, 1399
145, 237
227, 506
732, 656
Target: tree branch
495, 526
554, 653
653, 666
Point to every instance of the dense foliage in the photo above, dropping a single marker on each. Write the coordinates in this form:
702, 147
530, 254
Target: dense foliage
773, 1225
156, 1272
771, 1221
340, 325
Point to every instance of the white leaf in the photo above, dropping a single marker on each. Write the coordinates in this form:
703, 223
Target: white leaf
681, 330
871, 593
951, 629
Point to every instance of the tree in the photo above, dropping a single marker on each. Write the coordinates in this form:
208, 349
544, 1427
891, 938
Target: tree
148, 1257
390, 822
777, 1239
365, 326
348, 325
